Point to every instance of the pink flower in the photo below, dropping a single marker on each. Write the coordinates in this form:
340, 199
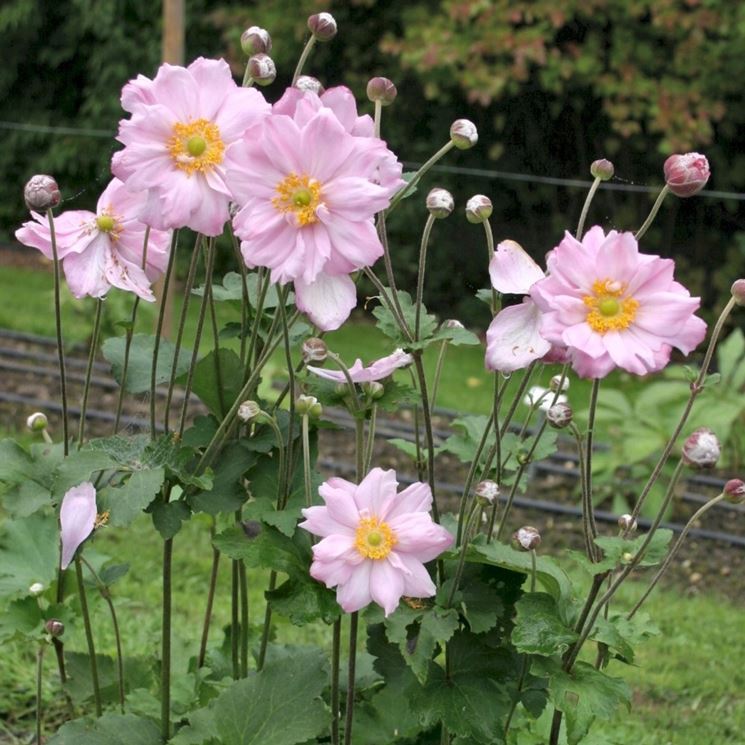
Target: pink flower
375, 540
378, 370
309, 182
77, 518
182, 123
686, 174
103, 249
611, 306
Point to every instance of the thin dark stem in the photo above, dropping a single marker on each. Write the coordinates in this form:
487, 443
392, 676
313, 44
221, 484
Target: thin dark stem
39, 678
653, 212
234, 622
303, 58
420, 276
210, 602
370, 438
428, 435
165, 673
267, 623
353, 621
88, 635
244, 292
586, 208
447, 147
589, 507
308, 484
335, 698
438, 373
89, 370
243, 580
216, 346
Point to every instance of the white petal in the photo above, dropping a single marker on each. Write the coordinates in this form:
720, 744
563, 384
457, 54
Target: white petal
513, 339
327, 300
512, 270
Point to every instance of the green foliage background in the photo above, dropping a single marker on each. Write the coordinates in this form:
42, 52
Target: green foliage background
551, 87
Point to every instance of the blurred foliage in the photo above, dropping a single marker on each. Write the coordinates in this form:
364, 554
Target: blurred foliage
550, 86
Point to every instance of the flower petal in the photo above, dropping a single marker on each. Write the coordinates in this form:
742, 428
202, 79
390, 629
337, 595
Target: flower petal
327, 300
513, 339
77, 519
512, 270
386, 585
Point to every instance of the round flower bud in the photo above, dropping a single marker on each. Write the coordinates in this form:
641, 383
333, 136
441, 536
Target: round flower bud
262, 69
322, 26
37, 422
440, 203
738, 291
55, 627
526, 538
627, 557
735, 491
36, 589
251, 528
256, 40
686, 175
308, 406
602, 169
478, 209
556, 384
452, 323
464, 134
559, 415
381, 89
248, 410
701, 449
373, 390
314, 350
41, 193
309, 84
627, 523
486, 491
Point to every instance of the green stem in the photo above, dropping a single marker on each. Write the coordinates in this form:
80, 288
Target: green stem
438, 372
210, 602
353, 622
428, 435
303, 58
243, 580
446, 148
306, 461
165, 672
245, 297
586, 530
586, 208
88, 635
653, 212
377, 116
89, 370
335, 697
490, 251
420, 276
393, 301
370, 438
39, 678
470, 524
589, 509
267, 623
234, 623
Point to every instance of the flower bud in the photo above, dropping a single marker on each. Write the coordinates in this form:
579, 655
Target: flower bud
322, 26
314, 350
248, 410
463, 134
308, 406
559, 415
526, 538
735, 491
478, 209
373, 390
309, 84
738, 291
36, 589
602, 169
41, 193
452, 323
701, 449
256, 40
686, 175
627, 523
341, 389
383, 90
251, 528
37, 422
440, 203
486, 491
262, 69
556, 383
55, 627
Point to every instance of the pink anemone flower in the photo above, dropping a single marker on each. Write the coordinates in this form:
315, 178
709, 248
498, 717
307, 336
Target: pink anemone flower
103, 249
182, 123
77, 519
612, 306
308, 190
375, 541
377, 370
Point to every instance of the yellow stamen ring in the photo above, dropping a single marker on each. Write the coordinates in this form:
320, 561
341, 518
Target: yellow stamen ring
300, 195
196, 146
608, 309
374, 539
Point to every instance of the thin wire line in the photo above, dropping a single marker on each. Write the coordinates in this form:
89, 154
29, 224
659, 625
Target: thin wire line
46, 129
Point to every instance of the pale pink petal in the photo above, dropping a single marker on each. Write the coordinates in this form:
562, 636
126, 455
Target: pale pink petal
353, 198
332, 573
127, 276
417, 582
386, 586
691, 335
335, 547
353, 244
324, 146
77, 519
632, 357
136, 93
86, 272
513, 339
512, 270
414, 498
581, 336
338, 496
618, 257
376, 492
417, 535
327, 301
354, 594
318, 521
591, 367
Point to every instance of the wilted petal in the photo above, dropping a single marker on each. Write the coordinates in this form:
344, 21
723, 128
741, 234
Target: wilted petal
77, 519
327, 300
512, 270
513, 339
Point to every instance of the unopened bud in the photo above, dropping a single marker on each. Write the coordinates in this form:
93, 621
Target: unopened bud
738, 291
464, 134
322, 26
262, 69
381, 89
559, 415
248, 410
373, 390
526, 538
602, 169
440, 203
559, 383
452, 323
309, 84
487, 491
251, 528
735, 491
55, 627
686, 175
256, 40
627, 523
308, 406
314, 350
478, 208
701, 449
36, 589
627, 557
41, 193
37, 422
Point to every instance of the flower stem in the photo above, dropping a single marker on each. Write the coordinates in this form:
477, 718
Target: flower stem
165, 673
89, 370
653, 212
210, 602
306, 461
245, 304
420, 276
446, 148
378, 116
39, 678
370, 438
88, 635
438, 372
335, 698
490, 253
589, 510
586, 208
303, 58
470, 524
428, 434
353, 622
243, 581
267, 623
58, 327
234, 623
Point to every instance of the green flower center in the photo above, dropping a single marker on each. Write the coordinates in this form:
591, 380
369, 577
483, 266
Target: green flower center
196, 145
105, 223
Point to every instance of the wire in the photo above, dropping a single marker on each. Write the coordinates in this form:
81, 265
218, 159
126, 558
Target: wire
44, 129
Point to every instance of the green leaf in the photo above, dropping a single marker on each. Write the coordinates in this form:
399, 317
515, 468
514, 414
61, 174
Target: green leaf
228, 492
139, 672
388, 325
78, 467
468, 433
456, 336
23, 618
218, 392
304, 601
481, 603
141, 355
405, 446
232, 289
618, 550
264, 509
396, 396
28, 476
167, 517
112, 573
539, 627
113, 729
125, 503
621, 634
280, 705
200, 730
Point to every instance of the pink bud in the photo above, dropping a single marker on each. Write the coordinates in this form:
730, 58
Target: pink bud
314, 350
526, 538
602, 169
309, 84
77, 518
738, 291
701, 449
41, 193
256, 40
686, 174
55, 627
627, 523
262, 69
381, 89
322, 26
559, 415
464, 134
487, 491
478, 208
735, 491
440, 202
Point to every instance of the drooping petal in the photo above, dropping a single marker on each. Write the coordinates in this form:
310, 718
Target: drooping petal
77, 519
419, 536
327, 300
513, 339
512, 270
354, 594
386, 586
